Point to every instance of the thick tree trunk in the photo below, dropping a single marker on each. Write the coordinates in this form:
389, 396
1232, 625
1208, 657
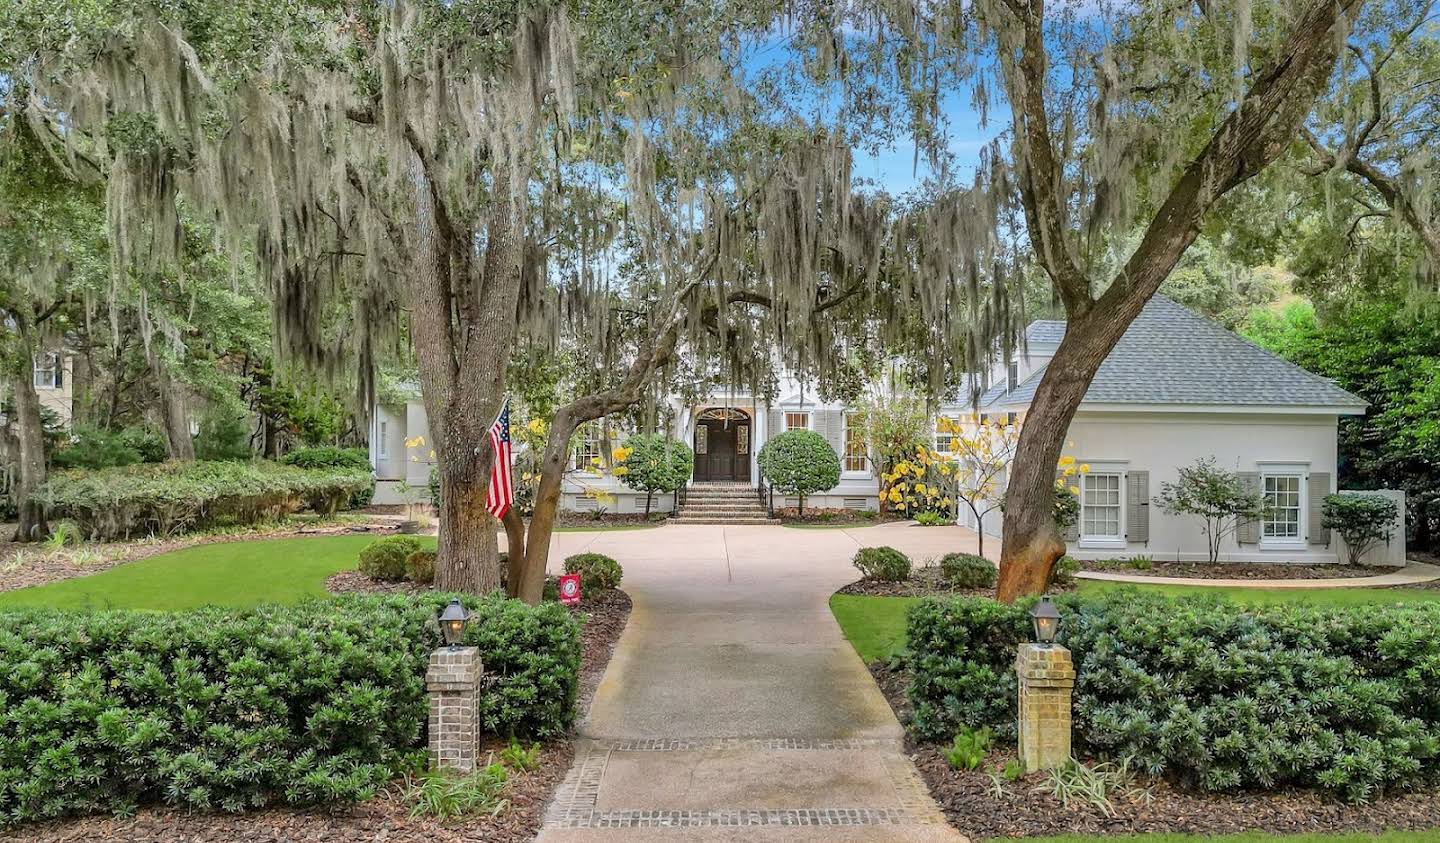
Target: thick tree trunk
514, 551
173, 413
30, 442
467, 532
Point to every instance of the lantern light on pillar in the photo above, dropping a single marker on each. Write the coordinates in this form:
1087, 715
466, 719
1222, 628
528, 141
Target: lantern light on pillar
452, 622
1046, 619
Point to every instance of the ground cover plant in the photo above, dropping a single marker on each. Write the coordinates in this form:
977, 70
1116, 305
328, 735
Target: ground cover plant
230, 709
1215, 697
172, 497
597, 571
885, 564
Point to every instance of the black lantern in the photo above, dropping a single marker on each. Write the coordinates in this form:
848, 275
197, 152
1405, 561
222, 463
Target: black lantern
452, 622
1047, 621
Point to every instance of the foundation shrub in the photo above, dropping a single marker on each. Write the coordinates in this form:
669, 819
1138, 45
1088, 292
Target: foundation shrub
1213, 695
966, 570
597, 571
232, 709
420, 567
331, 457
385, 559
172, 497
885, 564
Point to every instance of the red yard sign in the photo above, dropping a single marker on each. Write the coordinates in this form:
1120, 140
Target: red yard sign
570, 589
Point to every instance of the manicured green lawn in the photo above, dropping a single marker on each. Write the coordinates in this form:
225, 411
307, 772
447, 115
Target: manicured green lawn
235, 574
874, 626
1253, 837
1264, 596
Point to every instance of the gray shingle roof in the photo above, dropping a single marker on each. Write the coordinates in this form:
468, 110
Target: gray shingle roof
1172, 355
1045, 330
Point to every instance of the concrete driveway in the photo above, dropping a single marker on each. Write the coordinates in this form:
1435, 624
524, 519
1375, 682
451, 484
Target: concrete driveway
733, 708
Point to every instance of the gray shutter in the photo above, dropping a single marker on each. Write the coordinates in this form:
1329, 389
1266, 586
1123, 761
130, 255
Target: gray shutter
1137, 506
1072, 533
775, 426
1319, 487
831, 425
1248, 529
59, 370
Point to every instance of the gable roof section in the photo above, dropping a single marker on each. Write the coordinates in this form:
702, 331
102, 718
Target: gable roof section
1045, 330
1172, 355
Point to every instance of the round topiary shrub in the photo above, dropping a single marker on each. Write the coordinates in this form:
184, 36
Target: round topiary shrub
800, 463
656, 464
420, 567
597, 571
384, 559
885, 564
966, 570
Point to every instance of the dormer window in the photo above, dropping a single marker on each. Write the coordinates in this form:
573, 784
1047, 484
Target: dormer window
1012, 377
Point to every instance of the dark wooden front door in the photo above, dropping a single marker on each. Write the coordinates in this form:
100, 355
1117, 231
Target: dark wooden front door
722, 451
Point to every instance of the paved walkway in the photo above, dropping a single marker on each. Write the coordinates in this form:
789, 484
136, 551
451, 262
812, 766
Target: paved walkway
733, 709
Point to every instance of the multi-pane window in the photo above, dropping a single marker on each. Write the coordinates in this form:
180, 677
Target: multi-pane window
1282, 506
944, 432
1100, 506
382, 448
47, 371
589, 447
797, 421
855, 451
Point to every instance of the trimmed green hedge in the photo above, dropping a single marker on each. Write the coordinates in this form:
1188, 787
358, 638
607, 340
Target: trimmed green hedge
1217, 696
324, 702
330, 457
171, 497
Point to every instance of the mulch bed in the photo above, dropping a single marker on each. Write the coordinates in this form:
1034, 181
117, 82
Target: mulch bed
40, 567
1238, 570
980, 808
926, 581
813, 515
384, 818
587, 519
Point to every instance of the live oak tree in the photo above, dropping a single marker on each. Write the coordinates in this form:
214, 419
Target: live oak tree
1120, 117
463, 176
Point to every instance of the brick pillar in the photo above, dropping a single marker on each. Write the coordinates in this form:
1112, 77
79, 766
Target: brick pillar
453, 682
1047, 677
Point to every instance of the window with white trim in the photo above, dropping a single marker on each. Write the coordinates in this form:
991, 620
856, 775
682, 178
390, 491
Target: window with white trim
942, 438
47, 371
856, 456
382, 448
1284, 507
1101, 506
589, 447
797, 421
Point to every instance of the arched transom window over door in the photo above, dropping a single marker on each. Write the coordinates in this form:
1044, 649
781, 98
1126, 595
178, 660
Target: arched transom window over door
722, 445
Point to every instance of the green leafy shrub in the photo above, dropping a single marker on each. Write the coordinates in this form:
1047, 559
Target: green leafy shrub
1063, 574
969, 748
519, 756
230, 709
224, 436
168, 498
1361, 520
1217, 696
655, 463
966, 570
329, 457
385, 559
92, 448
597, 571
420, 567
931, 518
433, 486
800, 463
885, 564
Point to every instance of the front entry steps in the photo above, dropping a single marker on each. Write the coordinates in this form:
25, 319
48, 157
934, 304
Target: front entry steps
722, 503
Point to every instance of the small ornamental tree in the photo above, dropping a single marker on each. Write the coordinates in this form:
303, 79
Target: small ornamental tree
800, 462
1213, 494
1361, 520
654, 463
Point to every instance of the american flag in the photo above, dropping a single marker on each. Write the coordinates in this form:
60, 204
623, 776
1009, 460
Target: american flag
501, 493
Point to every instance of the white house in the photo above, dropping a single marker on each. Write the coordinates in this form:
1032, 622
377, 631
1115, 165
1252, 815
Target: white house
1177, 388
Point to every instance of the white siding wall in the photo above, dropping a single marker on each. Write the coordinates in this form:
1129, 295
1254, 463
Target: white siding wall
1161, 443
388, 456
417, 458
